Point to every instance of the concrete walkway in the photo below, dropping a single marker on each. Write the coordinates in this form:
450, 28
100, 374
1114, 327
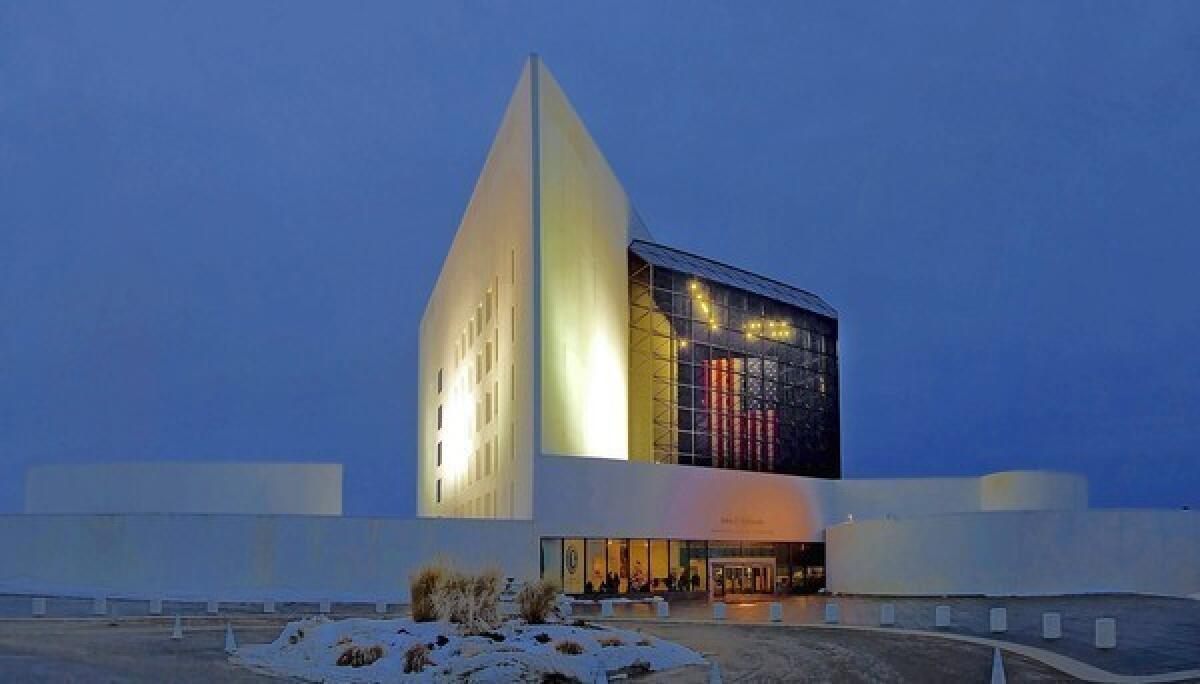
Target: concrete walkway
1155, 636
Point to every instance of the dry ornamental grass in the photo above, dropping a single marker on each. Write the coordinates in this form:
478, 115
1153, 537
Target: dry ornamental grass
535, 601
568, 648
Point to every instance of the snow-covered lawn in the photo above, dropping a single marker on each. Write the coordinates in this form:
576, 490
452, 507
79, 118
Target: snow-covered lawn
310, 649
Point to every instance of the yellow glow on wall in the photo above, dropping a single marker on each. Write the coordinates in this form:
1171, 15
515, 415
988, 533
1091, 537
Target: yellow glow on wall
458, 423
584, 290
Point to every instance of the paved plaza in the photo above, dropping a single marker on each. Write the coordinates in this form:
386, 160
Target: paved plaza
1154, 635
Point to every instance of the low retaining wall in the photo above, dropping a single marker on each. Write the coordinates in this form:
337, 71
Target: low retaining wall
1018, 553
248, 557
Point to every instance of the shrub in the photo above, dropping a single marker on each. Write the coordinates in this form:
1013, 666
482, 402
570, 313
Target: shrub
416, 658
357, 657
439, 593
568, 648
422, 586
608, 642
541, 638
535, 601
469, 600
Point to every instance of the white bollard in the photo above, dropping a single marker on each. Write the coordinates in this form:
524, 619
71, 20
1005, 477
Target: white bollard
39, 607
212, 607
381, 607
776, 611
269, 606
887, 615
714, 673
606, 608
156, 606
1051, 626
1106, 633
941, 617
998, 620
662, 609
998, 668
230, 642
719, 610
177, 629
324, 607
832, 614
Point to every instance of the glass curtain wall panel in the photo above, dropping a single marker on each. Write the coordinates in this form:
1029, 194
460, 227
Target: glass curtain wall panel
727, 377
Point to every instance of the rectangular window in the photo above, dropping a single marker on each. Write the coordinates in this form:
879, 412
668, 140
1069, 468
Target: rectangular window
487, 309
574, 568
478, 367
661, 577
479, 320
595, 566
552, 560
439, 381
439, 417
439, 453
496, 393
618, 566
438, 490
488, 409
488, 511
487, 367
487, 459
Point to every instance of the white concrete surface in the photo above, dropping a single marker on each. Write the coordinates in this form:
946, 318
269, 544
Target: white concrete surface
247, 557
1018, 553
177, 487
606, 498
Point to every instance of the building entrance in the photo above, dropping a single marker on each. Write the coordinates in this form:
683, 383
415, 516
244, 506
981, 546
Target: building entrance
732, 576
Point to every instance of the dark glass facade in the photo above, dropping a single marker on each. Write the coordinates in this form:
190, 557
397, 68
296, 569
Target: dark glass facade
586, 566
723, 375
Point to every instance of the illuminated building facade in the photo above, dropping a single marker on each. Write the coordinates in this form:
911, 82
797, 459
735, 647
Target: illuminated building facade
661, 422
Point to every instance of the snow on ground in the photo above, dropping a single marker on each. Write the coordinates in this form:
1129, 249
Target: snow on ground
310, 648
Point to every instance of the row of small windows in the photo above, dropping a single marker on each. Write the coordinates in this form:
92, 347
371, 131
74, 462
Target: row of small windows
487, 409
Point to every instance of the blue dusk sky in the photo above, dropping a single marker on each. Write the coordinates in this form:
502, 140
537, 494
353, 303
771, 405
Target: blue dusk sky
219, 223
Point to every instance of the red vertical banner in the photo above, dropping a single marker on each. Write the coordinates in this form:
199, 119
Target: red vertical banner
713, 413
770, 438
735, 413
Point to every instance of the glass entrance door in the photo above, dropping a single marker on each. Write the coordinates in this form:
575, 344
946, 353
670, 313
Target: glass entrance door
738, 576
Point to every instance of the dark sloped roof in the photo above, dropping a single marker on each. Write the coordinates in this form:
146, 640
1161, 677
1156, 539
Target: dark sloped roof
668, 257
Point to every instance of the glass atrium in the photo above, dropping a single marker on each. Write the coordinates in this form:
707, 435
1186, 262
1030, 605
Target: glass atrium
729, 369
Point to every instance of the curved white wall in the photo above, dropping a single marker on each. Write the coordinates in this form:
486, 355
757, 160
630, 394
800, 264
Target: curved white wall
1018, 553
167, 487
248, 557
1032, 490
